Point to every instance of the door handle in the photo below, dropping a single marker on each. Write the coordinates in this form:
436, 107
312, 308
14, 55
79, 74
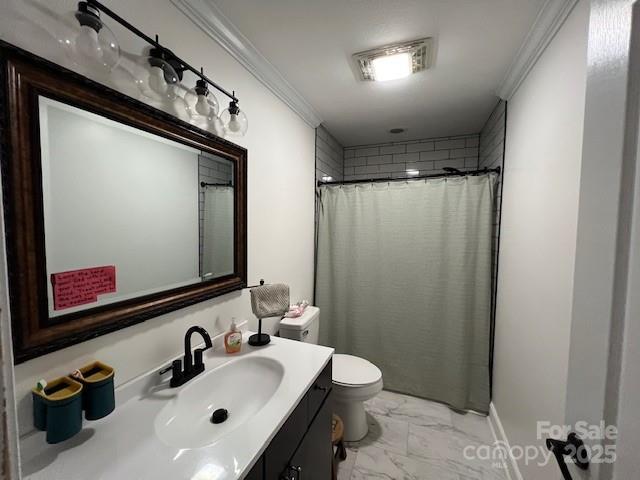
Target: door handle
574, 447
293, 473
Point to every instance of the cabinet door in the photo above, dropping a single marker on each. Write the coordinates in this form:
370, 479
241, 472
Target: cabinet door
284, 444
319, 391
256, 472
314, 455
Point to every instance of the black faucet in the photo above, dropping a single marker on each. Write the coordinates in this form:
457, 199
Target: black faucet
191, 368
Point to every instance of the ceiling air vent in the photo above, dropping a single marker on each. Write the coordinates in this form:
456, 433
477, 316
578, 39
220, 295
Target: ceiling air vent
395, 61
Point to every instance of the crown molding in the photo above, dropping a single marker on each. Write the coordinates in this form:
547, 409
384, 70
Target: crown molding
551, 17
206, 15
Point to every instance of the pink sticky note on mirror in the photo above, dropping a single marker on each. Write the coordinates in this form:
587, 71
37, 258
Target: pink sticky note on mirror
79, 287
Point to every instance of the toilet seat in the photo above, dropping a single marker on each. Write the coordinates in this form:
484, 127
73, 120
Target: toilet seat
355, 380
351, 371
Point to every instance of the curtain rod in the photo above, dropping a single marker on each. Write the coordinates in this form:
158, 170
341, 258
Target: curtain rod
454, 173
205, 184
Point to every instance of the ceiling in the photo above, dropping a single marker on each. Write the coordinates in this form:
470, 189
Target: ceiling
311, 43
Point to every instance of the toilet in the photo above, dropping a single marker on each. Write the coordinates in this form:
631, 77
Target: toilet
355, 379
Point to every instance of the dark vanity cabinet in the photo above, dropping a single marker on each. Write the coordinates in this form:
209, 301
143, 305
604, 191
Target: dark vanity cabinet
302, 447
257, 472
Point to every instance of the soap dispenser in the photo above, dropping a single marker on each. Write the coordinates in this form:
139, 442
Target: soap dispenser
233, 338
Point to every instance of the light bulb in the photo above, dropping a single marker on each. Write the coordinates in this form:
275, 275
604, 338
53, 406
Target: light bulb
234, 125
202, 106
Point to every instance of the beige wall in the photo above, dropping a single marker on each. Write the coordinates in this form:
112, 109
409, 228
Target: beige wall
281, 190
538, 240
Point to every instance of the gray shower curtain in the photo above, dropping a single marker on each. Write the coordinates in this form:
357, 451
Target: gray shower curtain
403, 279
217, 245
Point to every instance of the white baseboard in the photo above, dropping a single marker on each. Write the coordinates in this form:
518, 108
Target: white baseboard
499, 435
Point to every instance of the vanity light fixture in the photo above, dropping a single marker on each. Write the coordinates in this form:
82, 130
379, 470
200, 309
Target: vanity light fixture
412, 172
158, 74
327, 178
395, 61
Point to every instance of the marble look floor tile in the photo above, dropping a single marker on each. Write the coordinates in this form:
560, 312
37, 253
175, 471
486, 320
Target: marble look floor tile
376, 463
433, 443
415, 439
416, 411
345, 467
475, 426
386, 433
468, 470
494, 472
484, 468
477, 470
446, 448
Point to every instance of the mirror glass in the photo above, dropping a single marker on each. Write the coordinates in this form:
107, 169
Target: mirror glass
127, 212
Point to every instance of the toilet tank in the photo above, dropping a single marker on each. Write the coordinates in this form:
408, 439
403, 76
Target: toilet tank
304, 328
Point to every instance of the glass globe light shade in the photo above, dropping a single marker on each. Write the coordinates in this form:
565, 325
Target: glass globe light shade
234, 120
88, 42
210, 122
203, 108
155, 77
175, 104
201, 104
215, 126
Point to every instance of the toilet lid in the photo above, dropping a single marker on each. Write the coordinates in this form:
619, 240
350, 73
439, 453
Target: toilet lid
350, 370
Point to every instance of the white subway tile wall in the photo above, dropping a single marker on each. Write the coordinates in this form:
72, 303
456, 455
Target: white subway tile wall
329, 155
210, 170
428, 156
492, 138
491, 156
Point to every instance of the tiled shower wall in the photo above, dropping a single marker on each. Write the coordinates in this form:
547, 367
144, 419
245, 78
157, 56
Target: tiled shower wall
428, 156
210, 170
492, 140
329, 155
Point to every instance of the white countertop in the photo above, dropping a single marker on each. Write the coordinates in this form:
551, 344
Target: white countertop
124, 445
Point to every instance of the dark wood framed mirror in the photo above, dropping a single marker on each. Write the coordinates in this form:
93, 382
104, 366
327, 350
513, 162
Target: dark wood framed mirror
115, 212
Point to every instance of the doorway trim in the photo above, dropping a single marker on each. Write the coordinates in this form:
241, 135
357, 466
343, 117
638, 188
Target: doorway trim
604, 222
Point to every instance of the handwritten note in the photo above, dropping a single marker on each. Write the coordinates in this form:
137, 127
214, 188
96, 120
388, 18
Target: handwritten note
79, 287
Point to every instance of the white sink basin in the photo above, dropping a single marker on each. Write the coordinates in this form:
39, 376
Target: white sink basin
242, 387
